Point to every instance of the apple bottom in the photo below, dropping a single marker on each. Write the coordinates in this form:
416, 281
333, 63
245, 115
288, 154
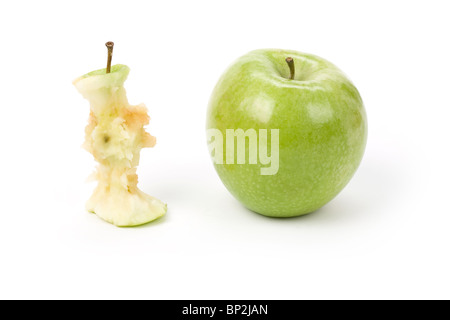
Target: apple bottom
309, 174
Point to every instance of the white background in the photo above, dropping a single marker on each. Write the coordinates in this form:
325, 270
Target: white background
385, 236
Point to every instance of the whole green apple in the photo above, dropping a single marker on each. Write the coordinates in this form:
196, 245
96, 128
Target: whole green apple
287, 131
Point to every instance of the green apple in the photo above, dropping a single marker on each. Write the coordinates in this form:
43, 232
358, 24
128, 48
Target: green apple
115, 136
314, 116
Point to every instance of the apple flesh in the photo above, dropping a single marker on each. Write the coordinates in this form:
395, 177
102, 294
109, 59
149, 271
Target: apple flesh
322, 129
115, 136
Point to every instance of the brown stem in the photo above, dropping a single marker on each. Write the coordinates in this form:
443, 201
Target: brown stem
110, 46
291, 65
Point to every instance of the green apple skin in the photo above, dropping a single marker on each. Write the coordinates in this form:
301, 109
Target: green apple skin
322, 123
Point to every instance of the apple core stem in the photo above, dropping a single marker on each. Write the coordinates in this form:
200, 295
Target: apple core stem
291, 65
110, 46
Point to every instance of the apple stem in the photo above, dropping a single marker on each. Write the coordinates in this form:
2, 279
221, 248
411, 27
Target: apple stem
291, 65
110, 46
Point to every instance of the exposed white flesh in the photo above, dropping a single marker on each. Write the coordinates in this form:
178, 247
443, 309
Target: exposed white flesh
115, 136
